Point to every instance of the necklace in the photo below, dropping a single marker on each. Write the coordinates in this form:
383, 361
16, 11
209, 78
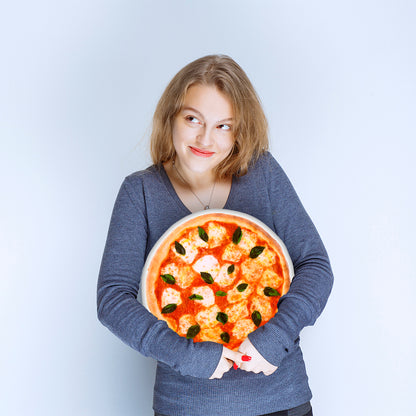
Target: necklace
190, 188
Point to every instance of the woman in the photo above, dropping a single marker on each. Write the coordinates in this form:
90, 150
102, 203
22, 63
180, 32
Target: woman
209, 147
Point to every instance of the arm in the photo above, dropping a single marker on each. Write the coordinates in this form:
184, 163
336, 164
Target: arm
118, 285
313, 279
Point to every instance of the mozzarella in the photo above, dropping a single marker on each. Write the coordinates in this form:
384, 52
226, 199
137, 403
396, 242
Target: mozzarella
185, 321
234, 295
232, 253
268, 279
190, 250
236, 311
206, 293
208, 264
211, 334
216, 234
248, 241
251, 270
267, 258
208, 317
225, 279
263, 306
184, 276
242, 328
196, 240
169, 296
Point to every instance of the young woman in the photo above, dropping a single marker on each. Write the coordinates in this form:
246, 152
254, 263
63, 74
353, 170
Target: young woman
209, 147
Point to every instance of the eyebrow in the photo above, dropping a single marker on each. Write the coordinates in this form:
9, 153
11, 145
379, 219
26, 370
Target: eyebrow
200, 114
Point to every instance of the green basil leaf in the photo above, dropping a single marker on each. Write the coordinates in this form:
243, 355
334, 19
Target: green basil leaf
230, 269
256, 317
237, 235
225, 336
269, 291
222, 317
242, 287
207, 278
195, 297
203, 234
220, 293
168, 278
169, 308
193, 331
180, 249
256, 251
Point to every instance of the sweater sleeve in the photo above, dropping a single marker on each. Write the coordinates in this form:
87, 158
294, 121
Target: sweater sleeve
118, 285
313, 278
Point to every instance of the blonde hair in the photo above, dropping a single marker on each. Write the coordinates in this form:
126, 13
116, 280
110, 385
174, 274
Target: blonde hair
250, 127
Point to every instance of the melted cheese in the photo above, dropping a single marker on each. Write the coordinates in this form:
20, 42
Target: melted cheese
208, 264
263, 306
216, 234
225, 279
185, 321
208, 317
190, 251
242, 328
268, 279
206, 293
234, 295
248, 241
211, 334
184, 276
251, 270
267, 258
171, 295
196, 240
236, 311
232, 253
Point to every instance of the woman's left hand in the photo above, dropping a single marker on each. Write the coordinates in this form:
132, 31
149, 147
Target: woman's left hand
257, 363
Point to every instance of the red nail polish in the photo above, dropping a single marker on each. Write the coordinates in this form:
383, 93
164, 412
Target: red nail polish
246, 358
235, 366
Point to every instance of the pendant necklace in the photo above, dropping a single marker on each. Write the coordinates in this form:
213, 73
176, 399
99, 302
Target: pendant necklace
206, 206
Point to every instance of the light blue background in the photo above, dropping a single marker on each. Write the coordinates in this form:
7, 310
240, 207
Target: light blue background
79, 81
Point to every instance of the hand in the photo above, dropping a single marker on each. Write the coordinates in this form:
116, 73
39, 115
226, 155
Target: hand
257, 363
228, 357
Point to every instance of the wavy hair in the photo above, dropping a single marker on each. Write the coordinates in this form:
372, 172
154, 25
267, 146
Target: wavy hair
250, 128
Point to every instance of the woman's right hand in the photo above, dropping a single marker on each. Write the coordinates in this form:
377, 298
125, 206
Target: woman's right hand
227, 360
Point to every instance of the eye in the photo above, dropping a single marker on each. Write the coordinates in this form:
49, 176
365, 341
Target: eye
192, 119
225, 127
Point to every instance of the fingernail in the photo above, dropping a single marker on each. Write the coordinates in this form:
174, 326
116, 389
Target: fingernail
235, 366
246, 358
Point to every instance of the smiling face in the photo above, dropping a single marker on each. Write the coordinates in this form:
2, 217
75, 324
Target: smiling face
202, 131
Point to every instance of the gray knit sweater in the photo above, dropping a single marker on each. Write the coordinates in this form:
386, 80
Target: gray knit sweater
145, 207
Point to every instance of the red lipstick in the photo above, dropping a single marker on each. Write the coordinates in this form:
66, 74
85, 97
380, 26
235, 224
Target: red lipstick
200, 152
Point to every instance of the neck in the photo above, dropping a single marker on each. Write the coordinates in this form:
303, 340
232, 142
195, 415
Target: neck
197, 181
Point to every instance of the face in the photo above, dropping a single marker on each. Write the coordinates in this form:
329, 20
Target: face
202, 131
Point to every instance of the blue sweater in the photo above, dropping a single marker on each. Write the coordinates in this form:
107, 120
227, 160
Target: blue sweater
145, 207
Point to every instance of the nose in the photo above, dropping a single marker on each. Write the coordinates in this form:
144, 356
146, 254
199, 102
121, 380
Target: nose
205, 137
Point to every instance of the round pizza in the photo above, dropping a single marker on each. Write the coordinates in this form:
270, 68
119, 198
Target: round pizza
216, 276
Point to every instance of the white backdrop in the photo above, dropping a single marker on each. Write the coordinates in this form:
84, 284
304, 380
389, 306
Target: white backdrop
79, 81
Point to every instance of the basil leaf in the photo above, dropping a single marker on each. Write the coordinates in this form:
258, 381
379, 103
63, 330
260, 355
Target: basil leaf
193, 331
256, 251
269, 291
222, 317
169, 308
168, 278
180, 249
207, 278
220, 293
237, 235
203, 234
230, 269
195, 297
256, 317
225, 336
242, 287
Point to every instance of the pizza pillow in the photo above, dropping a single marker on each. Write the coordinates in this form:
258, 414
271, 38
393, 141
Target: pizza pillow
216, 275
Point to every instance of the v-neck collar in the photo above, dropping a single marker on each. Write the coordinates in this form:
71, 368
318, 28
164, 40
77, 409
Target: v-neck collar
179, 202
